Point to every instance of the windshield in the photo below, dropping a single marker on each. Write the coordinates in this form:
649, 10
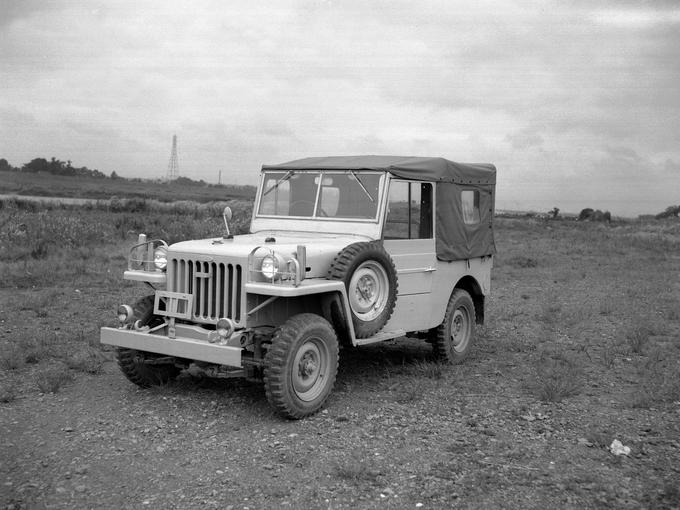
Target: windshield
338, 194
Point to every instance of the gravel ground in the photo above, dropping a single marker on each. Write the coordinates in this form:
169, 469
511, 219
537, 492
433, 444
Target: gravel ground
399, 430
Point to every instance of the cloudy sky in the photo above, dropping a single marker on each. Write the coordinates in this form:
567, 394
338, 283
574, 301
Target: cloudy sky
576, 102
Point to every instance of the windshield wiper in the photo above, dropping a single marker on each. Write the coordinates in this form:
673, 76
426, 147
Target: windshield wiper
362, 185
288, 175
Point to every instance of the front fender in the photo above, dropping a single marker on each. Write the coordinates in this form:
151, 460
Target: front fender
329, 291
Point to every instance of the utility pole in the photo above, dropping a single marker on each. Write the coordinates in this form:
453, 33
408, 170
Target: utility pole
173, 165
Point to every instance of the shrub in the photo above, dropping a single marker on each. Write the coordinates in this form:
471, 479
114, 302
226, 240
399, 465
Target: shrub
522, 261
558, 376
357, 468
607, 306
637, 338
89, 361
52, 379
11, 357
609, 354
412, 391
550, 314
8, 391
43, 347
658, 380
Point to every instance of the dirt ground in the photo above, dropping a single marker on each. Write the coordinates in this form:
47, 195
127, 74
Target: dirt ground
580, 348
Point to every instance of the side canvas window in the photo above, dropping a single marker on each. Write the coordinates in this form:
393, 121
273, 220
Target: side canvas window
470, 202
409, 211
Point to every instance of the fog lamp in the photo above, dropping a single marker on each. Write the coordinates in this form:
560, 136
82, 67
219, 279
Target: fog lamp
225, 327
125, 313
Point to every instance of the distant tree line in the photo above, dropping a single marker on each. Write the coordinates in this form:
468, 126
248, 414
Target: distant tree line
54, 167
672, 211
57, 167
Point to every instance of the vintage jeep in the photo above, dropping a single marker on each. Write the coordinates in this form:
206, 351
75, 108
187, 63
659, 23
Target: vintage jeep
341, 250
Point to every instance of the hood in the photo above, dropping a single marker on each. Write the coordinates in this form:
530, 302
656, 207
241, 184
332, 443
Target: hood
321, 248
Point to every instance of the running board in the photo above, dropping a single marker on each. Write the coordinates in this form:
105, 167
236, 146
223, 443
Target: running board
380, 337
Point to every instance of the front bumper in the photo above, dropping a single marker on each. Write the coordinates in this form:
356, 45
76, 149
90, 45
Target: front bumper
180, 347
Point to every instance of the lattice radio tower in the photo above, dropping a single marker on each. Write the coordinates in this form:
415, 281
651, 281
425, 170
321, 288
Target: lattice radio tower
173, 165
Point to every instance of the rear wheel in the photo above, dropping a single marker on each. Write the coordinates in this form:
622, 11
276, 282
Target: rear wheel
140, 367
301, 365
453, 338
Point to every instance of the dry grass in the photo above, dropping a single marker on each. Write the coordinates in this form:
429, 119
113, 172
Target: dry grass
47, 185
11, 357
580, 341
558, 376
430, 369
659, 379
637, 338
51, 379
8, 391
357, 468
89, 361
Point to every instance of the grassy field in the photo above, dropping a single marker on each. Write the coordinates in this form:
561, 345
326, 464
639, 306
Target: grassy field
581, 347
48, 185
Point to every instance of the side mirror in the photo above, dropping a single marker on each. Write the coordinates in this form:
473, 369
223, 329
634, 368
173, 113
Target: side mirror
227, 215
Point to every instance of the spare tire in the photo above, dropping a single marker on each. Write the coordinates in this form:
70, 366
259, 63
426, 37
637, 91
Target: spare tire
371, 282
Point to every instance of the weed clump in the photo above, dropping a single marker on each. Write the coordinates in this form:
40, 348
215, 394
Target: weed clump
550, 314
609, 354
88, 361
52, 379
8, 391
658, 380
522, 261
558, 376
11, 358
413, 391
637, 338
44, 346
357, 469
430, 369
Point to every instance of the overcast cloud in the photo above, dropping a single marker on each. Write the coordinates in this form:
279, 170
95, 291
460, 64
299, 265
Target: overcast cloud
577, 103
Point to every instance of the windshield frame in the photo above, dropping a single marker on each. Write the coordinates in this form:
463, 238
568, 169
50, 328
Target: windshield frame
263, 191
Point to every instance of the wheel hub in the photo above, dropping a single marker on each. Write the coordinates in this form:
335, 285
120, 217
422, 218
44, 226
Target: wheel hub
366, 288
457, 325
309, 369
459, 329
308, 365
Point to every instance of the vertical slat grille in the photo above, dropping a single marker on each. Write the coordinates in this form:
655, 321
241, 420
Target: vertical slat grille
216, 287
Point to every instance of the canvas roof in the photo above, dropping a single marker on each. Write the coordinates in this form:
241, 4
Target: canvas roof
430, 169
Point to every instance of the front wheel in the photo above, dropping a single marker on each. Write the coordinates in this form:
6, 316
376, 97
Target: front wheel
301, 365
452, 339
139, 366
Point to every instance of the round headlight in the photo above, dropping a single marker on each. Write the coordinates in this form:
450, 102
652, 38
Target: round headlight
160, 257
270, 266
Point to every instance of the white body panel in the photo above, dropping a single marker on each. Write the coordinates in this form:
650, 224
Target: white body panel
449, 274
321, 247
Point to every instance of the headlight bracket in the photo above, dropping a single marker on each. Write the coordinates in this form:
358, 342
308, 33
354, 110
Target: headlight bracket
268, 265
